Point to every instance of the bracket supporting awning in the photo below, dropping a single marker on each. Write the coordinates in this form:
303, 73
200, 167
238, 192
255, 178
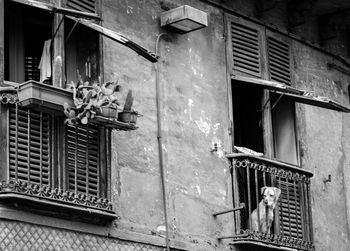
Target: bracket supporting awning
81, 17
295, 94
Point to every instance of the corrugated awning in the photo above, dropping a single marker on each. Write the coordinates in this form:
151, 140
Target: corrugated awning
78, 15
293, 93
118, 38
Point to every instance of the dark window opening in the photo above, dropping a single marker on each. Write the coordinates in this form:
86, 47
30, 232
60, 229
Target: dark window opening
247, 114
82, 52
26, 30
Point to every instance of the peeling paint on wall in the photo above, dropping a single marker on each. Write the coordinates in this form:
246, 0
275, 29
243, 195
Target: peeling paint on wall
203, 124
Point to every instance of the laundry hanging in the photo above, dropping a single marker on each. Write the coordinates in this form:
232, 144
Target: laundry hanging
45, 62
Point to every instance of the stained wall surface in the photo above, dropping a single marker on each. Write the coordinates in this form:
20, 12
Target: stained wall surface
194, 112
194, 116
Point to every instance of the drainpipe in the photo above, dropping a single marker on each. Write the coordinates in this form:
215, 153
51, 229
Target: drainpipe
160, 145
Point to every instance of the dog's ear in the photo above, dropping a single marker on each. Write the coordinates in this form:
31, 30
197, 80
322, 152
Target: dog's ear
277, 193
263, 190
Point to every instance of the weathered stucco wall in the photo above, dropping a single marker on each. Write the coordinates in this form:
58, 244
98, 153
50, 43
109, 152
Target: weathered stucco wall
324, 144
195, 115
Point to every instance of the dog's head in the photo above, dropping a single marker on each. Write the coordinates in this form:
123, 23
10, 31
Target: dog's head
270, 196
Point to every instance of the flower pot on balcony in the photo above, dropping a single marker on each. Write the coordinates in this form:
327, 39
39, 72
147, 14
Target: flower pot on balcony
108, 112
44, 97
129, 117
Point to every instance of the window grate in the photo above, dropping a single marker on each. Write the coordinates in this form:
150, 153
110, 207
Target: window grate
29, 145
82, 5
279, 60
82, 150
291, 224
246, 49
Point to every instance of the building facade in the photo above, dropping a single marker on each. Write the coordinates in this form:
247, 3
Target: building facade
257, 98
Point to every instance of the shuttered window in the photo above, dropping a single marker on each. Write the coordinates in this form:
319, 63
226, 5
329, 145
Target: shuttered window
31, 70
290, 209
279, 60
246, 52
254, 51
31, 135
82, 151
83, 5
29, 145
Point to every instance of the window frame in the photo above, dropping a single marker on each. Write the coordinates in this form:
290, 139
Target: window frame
267, 128
85, 208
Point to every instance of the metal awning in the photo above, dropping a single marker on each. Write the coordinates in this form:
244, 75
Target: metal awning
78, 15
118, 38
295, 94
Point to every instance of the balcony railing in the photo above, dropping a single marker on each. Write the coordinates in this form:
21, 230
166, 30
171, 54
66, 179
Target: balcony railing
292, 224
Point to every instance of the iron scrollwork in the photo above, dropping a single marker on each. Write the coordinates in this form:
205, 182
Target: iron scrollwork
8, 95
46, 192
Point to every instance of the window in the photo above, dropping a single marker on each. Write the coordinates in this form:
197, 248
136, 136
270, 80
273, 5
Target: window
46, 166
26, 30
36, 169
82, 52
250, 173
47, 162
264, 137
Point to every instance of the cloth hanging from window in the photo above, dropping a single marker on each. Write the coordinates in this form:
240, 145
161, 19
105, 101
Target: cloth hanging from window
45, 62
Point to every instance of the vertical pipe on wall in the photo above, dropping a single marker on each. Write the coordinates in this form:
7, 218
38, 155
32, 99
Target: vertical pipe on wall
160, 145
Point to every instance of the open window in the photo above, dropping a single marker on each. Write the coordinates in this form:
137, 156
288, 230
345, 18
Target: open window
82, 52
26, 30
264, 136
47, 166
251, 172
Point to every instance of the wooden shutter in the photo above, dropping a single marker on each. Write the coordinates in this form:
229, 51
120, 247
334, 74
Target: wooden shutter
31, 70
245, 45
82, 5
29, 145
279, 60
82, 158
290, 216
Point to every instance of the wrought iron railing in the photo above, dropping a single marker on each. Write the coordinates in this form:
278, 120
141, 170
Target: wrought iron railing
291, 224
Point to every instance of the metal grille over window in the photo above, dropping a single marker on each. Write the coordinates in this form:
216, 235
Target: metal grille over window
278, 54
29, 146
287, 221
82, 146
246, 49
82, 5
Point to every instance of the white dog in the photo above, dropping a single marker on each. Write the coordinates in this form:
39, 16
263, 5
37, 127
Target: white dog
270, 198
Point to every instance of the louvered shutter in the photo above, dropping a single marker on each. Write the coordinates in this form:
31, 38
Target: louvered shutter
31, 70
82, 5
82, 151
246, 49
279, 60
29, 145
290, 209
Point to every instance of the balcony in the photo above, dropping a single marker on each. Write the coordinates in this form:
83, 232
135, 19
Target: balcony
291, 227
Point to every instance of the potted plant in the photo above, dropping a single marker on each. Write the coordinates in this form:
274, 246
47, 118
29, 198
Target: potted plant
91, 100
128, 115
